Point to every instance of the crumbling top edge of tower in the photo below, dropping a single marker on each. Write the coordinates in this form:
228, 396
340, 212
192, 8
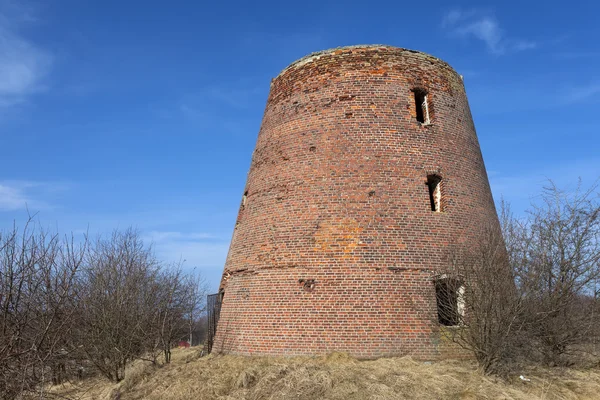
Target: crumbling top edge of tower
318, 54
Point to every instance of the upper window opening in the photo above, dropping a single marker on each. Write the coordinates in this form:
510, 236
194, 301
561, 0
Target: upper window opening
449, 295
435, 192
244, 198
422, 106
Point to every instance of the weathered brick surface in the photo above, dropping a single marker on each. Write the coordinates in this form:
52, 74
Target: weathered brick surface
335, 247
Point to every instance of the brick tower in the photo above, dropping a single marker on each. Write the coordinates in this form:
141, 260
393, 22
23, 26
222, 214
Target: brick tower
366, 169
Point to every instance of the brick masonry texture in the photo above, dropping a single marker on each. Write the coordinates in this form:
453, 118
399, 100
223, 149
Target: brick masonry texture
336, 247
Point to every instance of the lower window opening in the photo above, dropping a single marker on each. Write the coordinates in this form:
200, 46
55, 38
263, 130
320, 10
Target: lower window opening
449, 299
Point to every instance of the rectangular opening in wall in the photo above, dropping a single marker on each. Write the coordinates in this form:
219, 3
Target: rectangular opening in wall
435, 192
421, 106
448, 294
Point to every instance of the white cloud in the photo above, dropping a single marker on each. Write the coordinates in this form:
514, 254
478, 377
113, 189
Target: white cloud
581, 93
12, 198
483, 27
21, 195
203, 251
452, 18
521, 45
201, 105
162, 236
574, 55
235, 98
206, 258
23, 65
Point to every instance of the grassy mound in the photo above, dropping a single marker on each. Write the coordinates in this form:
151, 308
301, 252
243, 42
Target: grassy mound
336, 376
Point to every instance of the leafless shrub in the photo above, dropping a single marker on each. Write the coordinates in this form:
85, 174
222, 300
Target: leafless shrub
478, 301
557, 268
37, 276
131, 306
115, 300
65, 304
532, 289
178, 304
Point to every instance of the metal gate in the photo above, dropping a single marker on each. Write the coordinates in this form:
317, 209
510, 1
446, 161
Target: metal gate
214, 309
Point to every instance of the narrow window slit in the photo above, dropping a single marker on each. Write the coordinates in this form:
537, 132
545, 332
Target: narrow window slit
244, 201
422, 106
435, 192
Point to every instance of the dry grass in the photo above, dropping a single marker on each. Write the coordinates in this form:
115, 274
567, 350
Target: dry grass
336, 376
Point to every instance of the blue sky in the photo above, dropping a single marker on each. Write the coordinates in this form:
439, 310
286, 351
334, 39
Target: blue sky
145, 113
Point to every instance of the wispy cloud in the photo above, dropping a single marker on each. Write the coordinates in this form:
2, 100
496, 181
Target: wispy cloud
235, 98
581, 93
483, 27
23, 65
162, 236
576, 55
240, 98
200, 250
12, 198
551, 96
21, 195
521, 45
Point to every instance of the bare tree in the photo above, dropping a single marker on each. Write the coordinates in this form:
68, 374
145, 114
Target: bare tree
179, 304
130, 305
478, 301
63, 303
114, 302
171, 305
37, 276
557, 268
196, 291
546, 301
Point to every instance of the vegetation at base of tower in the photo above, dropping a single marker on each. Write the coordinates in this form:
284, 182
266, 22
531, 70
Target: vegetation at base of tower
480, 300
89, 311
545, 307
335, 376
69, 308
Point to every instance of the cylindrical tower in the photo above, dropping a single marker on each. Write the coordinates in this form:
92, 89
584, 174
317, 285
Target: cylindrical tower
366, 169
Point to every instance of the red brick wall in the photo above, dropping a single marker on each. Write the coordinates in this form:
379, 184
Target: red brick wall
337, 201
